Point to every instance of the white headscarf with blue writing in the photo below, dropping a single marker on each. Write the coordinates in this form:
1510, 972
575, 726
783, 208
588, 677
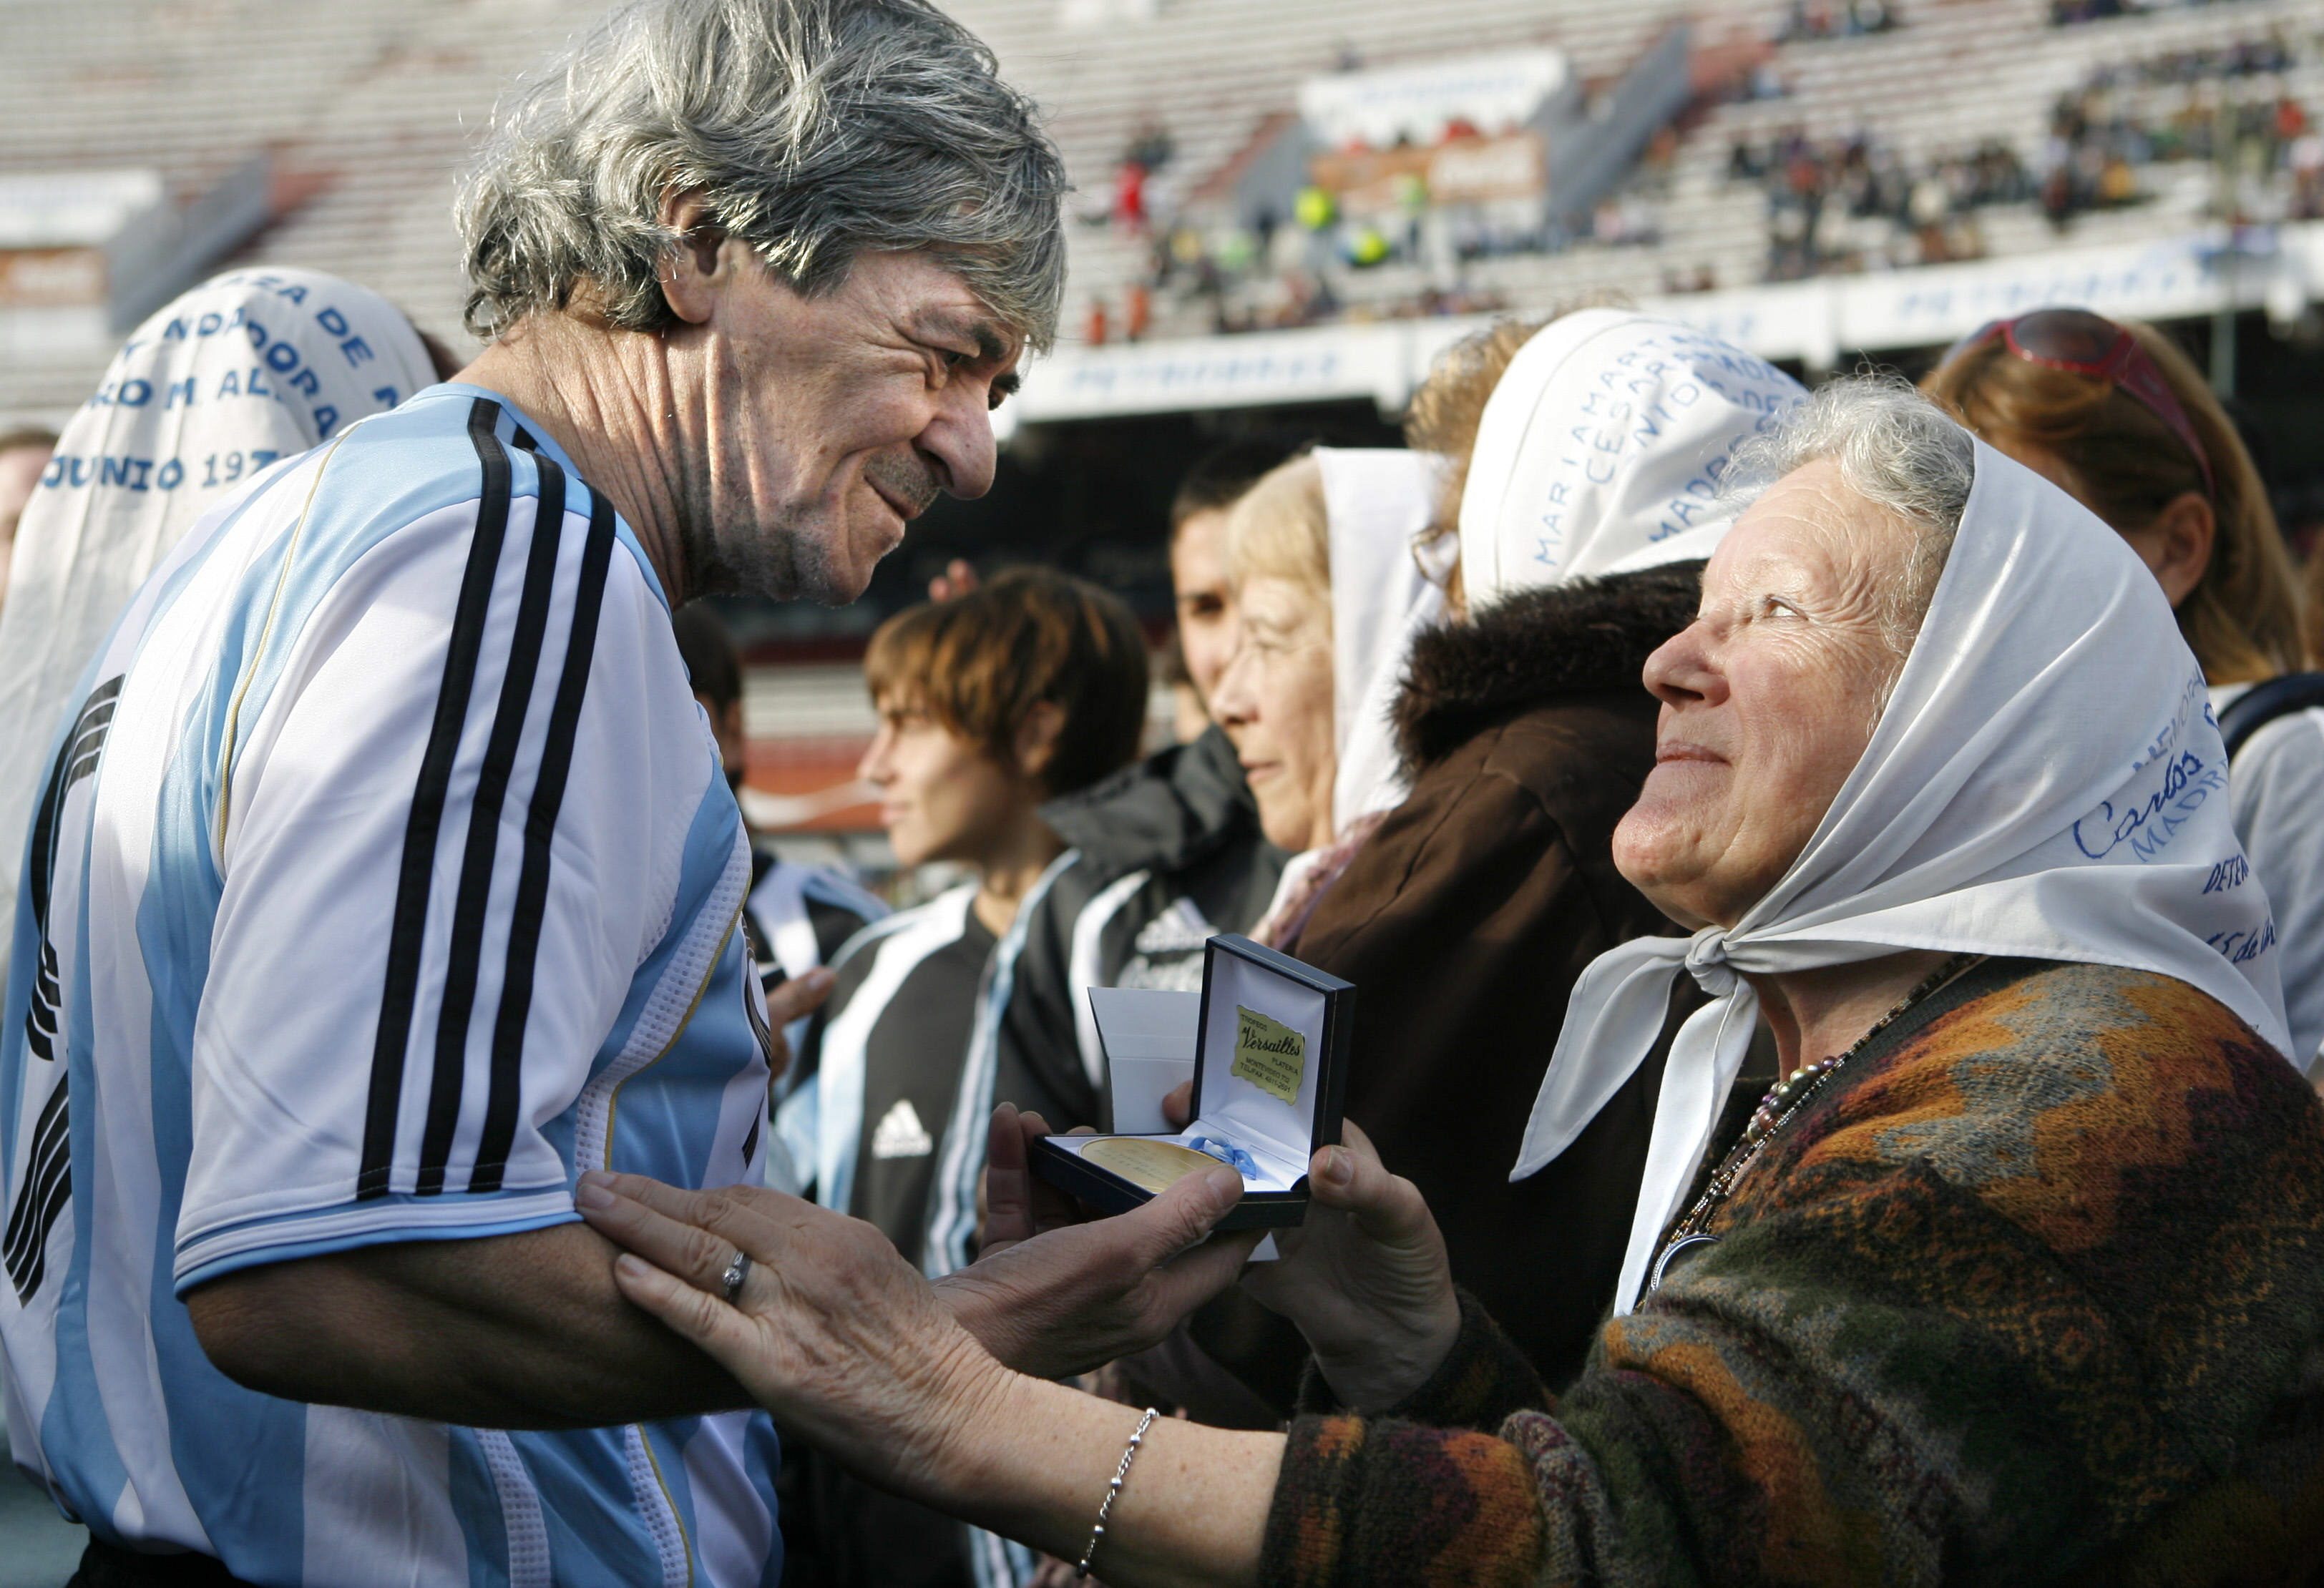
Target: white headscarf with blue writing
2046, 782
234, 375
1601, 450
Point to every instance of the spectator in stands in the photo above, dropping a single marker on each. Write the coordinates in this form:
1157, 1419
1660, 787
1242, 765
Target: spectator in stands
800, 915
1023, 689
25, 454
179, 422
1331, 575
1843, 203
2020, 1281
1821, 19
394, 879
2117, 416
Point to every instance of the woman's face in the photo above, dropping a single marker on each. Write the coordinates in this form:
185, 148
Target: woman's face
1274, 702
1768, 698
942, 797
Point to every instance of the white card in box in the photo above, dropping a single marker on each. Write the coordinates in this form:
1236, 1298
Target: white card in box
1149, 1036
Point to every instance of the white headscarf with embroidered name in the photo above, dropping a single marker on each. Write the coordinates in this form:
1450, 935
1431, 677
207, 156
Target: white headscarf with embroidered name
1602, 448
2046, 782
249, 368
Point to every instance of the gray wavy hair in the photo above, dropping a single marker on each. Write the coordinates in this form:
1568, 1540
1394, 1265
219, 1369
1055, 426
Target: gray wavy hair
1894, 448
814, 130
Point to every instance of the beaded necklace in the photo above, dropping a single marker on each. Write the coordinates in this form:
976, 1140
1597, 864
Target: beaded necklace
1785, 1098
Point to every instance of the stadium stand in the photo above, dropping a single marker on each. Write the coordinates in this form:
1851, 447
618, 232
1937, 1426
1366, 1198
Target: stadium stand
357, 117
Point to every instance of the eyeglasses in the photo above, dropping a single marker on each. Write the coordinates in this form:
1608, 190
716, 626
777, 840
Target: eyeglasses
2084, 343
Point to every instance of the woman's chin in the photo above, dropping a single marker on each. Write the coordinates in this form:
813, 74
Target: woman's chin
1287, 824
1658, 852
909, 849
1290, 837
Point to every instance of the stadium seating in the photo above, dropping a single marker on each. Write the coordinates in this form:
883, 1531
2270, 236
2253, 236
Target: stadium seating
368, 112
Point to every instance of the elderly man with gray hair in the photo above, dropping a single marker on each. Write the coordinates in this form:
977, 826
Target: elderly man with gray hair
386, 881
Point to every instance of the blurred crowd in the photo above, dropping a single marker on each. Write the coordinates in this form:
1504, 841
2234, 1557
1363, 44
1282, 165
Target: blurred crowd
1856, 203
2223, 105
2067, 12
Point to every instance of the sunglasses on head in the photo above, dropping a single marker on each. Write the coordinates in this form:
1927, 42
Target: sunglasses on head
2084, 343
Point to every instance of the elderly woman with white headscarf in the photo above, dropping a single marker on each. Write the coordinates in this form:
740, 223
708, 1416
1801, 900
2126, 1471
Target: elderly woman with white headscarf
1592, 448
1325, 562
2018, 1276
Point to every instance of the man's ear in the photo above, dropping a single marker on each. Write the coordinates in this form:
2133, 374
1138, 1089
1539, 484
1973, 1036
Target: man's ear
691, 273
1036, 739
2179, 543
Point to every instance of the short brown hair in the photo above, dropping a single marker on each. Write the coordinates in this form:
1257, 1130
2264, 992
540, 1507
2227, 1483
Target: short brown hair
980, 662
2242, 619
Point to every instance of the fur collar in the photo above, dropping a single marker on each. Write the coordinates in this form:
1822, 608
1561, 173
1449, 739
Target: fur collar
1588, 634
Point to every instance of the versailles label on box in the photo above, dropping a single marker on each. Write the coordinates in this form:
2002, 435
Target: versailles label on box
1268, 1054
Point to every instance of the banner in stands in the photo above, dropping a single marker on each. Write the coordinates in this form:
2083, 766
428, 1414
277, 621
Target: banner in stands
2278, 269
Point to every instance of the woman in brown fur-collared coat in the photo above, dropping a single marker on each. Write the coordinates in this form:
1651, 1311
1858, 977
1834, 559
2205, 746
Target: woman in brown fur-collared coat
1464, 919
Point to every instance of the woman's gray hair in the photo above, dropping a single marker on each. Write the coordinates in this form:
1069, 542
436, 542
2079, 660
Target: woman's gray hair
1895, 448
813, 130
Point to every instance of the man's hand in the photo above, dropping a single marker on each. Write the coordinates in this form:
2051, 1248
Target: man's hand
1055, 1293
792, 1000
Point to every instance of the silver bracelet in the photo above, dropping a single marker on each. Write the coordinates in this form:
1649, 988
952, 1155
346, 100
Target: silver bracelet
1105, 1506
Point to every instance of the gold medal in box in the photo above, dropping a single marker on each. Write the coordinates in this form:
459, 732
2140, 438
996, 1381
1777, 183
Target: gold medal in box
1147, 1163
1268, 1048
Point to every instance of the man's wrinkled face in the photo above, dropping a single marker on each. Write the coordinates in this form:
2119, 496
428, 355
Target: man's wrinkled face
829, 422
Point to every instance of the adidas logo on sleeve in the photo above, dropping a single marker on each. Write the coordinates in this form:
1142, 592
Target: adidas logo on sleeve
900, 1134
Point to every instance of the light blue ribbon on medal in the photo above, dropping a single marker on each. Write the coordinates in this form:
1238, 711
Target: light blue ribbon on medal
1228, 1153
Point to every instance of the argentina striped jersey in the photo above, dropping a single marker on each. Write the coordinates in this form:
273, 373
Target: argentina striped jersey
385, 880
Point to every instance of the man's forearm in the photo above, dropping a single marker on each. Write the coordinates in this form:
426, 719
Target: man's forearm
523, 1331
